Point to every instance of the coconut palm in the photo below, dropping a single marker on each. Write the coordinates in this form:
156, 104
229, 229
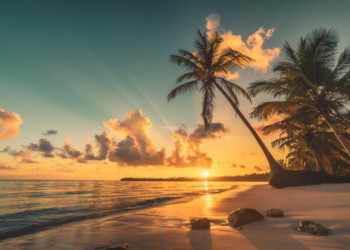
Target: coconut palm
312, 78
308, 142
206, 70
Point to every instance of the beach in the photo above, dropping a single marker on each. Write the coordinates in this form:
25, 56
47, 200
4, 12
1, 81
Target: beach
166, 227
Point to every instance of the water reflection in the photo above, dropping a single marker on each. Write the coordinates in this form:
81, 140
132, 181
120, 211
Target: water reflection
208, 201
206, 188
49, 203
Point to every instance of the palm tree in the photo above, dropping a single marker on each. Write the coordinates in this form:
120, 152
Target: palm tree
206, 69
310, 78
308, 142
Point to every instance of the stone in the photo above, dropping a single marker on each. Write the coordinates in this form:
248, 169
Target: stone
242, 216
200, 223
274, 213
312, 228
118, 247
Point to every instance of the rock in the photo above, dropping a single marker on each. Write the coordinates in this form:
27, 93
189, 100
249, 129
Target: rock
119, 247
200, 223
243, 216
274, 213
312, 228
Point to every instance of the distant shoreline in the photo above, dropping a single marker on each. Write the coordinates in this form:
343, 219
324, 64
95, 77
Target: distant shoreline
251, 178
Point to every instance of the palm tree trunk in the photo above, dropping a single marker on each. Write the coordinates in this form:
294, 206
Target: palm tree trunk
318, 166
275, 167
318, 160
338, 134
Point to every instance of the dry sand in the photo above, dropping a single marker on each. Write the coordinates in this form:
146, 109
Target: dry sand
166, 227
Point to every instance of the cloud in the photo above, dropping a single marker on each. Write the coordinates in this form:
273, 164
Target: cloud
252, 47
128, 142
248, 154
5, 167
214, 131
50, 132
212, 24
260, 169
69, 151
238, 166
9, 124
29, 161
190, 143
44, 146
103, 142
25, 155
136, 147
194, 158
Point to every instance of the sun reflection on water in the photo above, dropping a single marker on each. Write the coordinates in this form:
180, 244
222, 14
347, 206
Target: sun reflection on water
205, 186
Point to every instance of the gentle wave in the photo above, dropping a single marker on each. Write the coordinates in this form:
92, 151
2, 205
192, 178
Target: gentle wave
55, 206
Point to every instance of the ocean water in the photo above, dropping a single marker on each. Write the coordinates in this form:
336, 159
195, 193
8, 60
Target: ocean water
32, 206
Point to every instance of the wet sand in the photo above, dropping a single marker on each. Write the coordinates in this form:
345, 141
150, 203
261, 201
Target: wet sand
166, 227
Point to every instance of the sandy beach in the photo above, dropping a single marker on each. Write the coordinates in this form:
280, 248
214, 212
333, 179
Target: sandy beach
166, 227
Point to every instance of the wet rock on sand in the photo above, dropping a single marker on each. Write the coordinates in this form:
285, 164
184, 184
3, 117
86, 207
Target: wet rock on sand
200, 223
312, 228
274, 213
118, 247
242, 216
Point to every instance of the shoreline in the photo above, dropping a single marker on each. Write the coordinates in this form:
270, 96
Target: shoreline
138, 206
166, 227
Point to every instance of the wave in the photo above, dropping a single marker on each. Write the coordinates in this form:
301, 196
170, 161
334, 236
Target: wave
35, 220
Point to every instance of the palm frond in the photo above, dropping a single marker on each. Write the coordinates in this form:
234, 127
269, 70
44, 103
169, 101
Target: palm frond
184, 62
235, 88
188, 76
267, 109
187, 87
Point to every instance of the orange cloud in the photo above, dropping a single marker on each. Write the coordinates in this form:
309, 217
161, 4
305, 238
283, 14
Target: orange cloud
190, 143
5, 167
252, 47
136, 148
9, 124
128, 142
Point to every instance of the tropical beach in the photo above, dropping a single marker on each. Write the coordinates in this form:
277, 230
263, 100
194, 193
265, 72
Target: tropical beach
166, 227
174, 125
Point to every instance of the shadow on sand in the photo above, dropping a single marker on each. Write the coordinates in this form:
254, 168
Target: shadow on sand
200, 239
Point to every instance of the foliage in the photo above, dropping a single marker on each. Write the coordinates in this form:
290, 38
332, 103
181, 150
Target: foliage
313, 92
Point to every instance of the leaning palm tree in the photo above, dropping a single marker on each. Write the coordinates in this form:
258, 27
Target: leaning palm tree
311, 78
206, 69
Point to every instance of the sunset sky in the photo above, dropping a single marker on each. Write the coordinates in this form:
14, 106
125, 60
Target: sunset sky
84, 85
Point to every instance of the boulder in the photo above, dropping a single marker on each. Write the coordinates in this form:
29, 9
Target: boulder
274, 213
242, 216
312, 228
200, 223
118, 247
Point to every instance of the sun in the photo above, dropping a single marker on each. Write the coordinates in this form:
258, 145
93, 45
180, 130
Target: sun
205, 174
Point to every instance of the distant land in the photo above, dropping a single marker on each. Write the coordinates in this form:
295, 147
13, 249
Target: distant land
250, 177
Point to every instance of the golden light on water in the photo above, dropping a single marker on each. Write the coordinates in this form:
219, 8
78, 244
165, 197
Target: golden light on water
205, 185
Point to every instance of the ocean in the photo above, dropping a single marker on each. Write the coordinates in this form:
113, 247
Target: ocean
33, 206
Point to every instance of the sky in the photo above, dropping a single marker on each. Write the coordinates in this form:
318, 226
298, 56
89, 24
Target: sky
83, 85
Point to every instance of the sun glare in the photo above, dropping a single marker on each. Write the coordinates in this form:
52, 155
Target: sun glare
205, 174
